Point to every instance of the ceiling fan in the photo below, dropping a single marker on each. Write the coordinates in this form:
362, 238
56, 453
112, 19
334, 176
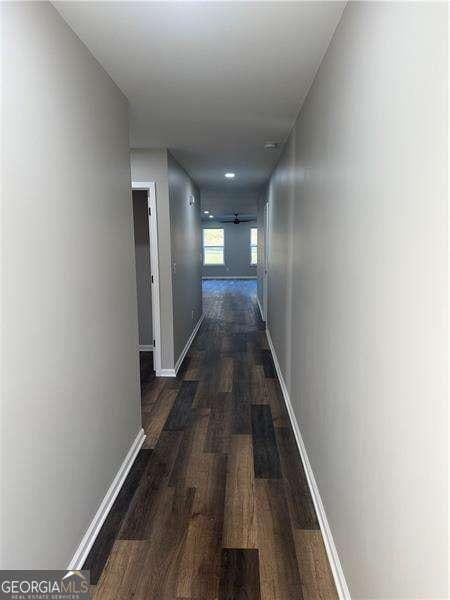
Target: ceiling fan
236, 220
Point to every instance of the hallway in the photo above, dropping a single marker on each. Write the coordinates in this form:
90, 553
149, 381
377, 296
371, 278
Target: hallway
217, 504
170, 170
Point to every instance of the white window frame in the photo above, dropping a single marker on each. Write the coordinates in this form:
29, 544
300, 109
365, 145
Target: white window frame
253, 264
222, 264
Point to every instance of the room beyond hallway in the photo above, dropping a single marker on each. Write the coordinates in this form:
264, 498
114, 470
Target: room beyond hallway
217, 504
147, 369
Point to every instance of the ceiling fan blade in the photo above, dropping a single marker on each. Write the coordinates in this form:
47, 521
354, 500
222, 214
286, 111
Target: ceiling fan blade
231, 219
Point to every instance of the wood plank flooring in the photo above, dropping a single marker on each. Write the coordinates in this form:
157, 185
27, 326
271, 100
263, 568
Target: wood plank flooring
217, 505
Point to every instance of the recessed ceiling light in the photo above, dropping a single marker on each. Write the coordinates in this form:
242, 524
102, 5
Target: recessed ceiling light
206, 212
211, 216
229, 175
271, 145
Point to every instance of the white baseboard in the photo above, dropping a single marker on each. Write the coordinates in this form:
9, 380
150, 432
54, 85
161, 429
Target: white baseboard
173, 372
229, 277
260, 309
188, 344
92, 531
335, 563
145, 348
166, 373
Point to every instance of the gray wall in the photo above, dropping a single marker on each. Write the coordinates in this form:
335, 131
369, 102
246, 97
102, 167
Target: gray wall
358, 273
229, 202
71, 402
179, 252
185, 236
143, 267
151, 165
237, 251
262, 200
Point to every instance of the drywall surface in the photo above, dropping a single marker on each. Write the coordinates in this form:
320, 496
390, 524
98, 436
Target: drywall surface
151, 165
143, 268
236, 252
71, 401
226, 203
179, 238
185, 235
260, 218
358, 274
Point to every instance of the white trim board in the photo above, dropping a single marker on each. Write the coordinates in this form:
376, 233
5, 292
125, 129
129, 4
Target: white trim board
150, 188
228, 277
145, 348
173, 372
92, 531
188, 344
333, 558
166, 373
260, 309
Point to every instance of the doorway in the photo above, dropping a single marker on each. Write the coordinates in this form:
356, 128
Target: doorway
147, 279
265, 265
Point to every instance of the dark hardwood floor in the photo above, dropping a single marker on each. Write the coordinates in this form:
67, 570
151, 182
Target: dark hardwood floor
217, 505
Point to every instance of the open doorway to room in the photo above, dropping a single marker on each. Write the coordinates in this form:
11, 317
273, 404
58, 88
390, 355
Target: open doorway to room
147, 279
229, 247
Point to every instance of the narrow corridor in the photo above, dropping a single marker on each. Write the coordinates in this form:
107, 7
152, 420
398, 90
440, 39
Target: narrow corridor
217, 504
169, 168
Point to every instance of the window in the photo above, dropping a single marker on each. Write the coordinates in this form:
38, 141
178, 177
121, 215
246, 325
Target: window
253, 246
213, 247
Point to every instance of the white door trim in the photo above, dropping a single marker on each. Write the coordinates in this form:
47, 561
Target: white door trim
266, 262
150, 188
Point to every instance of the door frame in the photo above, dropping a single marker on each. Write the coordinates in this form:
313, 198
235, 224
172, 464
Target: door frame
266, 261
150, 188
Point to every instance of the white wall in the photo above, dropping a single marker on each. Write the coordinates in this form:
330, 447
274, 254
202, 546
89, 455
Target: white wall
185, 236
71, 403
236, 251
358, 275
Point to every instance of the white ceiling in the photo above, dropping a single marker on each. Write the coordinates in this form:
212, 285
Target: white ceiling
211, 81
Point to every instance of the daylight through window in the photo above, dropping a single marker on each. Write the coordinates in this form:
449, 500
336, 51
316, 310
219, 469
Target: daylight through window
253, 246
213, 246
